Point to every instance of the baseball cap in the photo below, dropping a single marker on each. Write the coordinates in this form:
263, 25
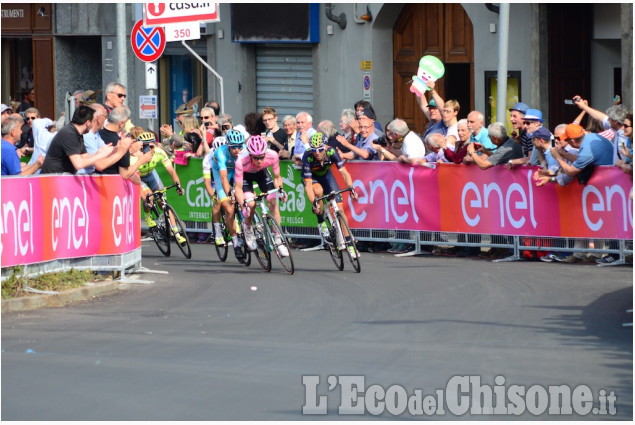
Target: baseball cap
5, 107
542, 133
520, 107
533, 115
432, 104
366, 112
572, 131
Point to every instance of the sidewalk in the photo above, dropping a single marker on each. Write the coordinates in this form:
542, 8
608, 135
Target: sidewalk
63, 298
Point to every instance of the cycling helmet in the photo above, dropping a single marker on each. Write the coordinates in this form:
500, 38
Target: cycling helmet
256, 145
317, 141
146, 137
234, 138
218, 142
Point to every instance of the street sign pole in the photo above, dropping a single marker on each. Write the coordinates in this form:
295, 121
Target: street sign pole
220, 79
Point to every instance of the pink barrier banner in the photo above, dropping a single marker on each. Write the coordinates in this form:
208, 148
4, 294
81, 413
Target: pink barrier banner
45, 218
466, 199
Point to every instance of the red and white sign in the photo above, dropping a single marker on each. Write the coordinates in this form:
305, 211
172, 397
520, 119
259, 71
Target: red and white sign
171, 13
183, 31
148, 43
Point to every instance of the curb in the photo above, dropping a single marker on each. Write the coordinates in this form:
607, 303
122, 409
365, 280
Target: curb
69, 296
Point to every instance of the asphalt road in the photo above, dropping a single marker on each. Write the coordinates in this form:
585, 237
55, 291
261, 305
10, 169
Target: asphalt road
218, 341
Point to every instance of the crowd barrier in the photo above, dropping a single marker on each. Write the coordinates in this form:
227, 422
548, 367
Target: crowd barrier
52, 218
55, 222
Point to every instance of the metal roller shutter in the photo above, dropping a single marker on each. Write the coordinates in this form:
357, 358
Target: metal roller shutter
284, 78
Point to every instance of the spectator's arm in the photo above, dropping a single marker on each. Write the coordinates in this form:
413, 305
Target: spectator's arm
423, 104
481, 161
31, 169
120, 150
80, 161
593, 113
569, 169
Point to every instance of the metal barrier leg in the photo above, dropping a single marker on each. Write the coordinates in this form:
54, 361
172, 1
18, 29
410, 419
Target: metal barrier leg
417, 250
513, 257
621, 260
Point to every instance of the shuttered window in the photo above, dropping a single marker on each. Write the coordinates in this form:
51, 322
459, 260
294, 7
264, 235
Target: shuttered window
284, 78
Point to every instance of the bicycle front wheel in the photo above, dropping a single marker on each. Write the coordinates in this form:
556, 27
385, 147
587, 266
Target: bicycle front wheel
180, 227
262, 253
336, 254
221, 250
161, 232
351, 246
281, 245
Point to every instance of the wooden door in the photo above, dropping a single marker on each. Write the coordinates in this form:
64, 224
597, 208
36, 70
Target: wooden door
441, 30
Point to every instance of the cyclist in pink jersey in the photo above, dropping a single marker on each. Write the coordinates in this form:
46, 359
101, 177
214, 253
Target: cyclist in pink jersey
251, 166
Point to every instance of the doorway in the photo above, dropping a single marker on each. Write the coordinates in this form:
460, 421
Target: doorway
441, 30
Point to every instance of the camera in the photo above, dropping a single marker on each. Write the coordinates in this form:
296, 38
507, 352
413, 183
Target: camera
207, 123
381, 141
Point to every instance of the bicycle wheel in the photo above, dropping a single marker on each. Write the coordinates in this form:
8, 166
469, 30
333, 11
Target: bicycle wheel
221, 250
336, 254
160, 232
286, 260
353, 257
262, 253
185, 246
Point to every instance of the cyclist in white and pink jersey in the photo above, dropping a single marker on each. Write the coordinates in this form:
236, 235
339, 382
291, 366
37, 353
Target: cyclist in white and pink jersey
251, 166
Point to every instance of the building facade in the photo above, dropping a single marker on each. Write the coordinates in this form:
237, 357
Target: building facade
322, 58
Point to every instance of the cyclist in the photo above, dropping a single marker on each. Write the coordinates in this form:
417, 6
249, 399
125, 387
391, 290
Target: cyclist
251, 166
150, 181
319, 179
223, 168
208, 179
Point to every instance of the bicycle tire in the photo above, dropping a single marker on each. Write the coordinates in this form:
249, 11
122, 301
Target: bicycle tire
262, 253
221, 250
353, 258
335, 253
184, 247
286, 261
160, 232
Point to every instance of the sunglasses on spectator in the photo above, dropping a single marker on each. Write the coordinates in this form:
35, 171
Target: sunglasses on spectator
121, 95
258, 158
529, 122
627, 126
206, 117
30, 118
227, 127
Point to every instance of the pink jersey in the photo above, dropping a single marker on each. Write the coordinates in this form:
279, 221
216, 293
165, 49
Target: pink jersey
244, 164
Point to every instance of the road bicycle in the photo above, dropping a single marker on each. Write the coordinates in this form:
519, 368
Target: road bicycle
337, 244
161, 211
222, 250
269, 236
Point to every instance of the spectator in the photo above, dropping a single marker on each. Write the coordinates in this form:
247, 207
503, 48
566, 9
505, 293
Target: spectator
115, 95
360, 105
519, 133
44, 130
288, 125
209, 122
28, 101
67, 153
193, 136
6, 111
304, 131
348, 119
612, 122
327, 128
215, 106
434, 151
593, 150
225, 123
254, 125
11, 132
79, 96
459, 153
363, 147
432, 112
541, 154
119, 161
412, 148
275, 136
450, 114
92, 139
26, 141
507, 148
626, 163
475, 123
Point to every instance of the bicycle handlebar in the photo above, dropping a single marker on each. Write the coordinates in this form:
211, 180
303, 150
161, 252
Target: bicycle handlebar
332, 195
165, 189
257, 198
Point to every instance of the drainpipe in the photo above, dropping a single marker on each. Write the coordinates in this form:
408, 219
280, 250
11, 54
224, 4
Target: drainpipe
339, 20
503, 43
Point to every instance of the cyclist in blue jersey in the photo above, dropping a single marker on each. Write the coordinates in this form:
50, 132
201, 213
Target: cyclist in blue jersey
319, 179
223, 165
208, 178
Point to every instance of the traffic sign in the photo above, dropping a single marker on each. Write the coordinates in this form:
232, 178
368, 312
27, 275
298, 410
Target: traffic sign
183, 31
171, 13
148, 43
152, 78
148, 107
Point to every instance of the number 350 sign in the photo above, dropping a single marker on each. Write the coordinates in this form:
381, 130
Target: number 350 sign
182, 31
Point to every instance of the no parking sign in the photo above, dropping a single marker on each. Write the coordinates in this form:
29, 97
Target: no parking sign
148, 43
367, 83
